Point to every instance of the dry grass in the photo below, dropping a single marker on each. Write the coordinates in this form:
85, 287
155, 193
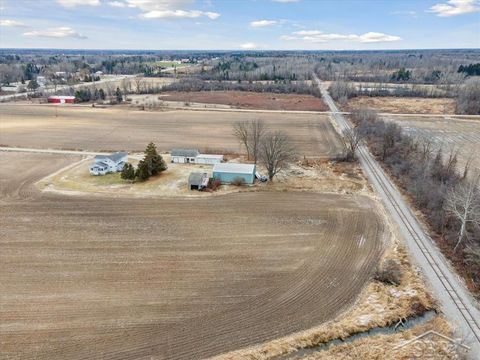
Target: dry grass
318, 176
379, 305
403, 105
381, 347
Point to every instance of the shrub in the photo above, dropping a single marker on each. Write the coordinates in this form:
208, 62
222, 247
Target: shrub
238, 181
128, 172
214, 184
389, 273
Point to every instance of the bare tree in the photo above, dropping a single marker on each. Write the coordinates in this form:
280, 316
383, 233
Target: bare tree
241, 130
257, 133
139, 82
425, 146
463, 203
276, 152
468, 101
351, 140
126, 86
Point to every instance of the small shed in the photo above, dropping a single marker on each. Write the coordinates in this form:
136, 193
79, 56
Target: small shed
228, 172
197, 181
184, 156
209, 159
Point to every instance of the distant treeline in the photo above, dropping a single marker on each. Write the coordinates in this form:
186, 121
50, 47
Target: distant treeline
342, 90
279, 87
470, 70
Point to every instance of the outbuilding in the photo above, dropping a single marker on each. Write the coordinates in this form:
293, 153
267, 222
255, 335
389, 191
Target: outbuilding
184, 156
208, 159
57, 99
197, 181
229, 172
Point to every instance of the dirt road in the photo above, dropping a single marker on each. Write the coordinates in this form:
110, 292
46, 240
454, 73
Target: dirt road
84, 278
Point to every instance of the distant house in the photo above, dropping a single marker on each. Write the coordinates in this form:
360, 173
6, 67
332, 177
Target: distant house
104, 164
228, 172
41, 81
197, 181
192, 156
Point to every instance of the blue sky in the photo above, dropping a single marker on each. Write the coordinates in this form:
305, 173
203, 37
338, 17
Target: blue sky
240, 24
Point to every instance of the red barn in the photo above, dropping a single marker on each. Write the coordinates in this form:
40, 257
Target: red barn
56, 99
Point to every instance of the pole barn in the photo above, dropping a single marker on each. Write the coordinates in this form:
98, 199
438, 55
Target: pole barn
56, 99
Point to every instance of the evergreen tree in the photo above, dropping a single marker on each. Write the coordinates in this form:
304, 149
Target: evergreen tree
155, 162
101, 94
142, 172
33, 85
128, 172
119, 95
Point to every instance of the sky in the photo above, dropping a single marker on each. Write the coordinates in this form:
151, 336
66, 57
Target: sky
240, 24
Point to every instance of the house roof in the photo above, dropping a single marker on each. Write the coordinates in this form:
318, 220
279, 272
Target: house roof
234, 168
98, 164
196, 178
116, 157
209, 156
184, 152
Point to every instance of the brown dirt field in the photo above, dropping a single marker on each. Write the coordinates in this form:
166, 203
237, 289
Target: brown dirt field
121, 128
250, 100
403, 105
84, 277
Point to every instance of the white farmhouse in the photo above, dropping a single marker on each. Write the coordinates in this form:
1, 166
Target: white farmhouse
104, 164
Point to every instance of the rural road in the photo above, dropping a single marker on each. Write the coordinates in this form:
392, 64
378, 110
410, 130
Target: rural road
136, 156
51, 151
447, 287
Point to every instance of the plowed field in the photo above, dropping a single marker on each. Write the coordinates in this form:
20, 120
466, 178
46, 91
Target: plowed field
250, 100
94, 278
113, 129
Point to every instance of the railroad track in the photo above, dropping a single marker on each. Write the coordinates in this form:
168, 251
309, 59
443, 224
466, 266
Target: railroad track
456, 302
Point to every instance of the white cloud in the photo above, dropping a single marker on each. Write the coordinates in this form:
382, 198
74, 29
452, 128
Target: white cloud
456, 7
179, 14
263, 23
11, 23
316, 36
378, 37
286, 1
118, 4
249, 46
410, 13
165, 9
73, 3
60, 32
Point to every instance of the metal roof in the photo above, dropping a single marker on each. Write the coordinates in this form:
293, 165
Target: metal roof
196, 178
60, 97
184, 152
208, 156
234, 168
116, 157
